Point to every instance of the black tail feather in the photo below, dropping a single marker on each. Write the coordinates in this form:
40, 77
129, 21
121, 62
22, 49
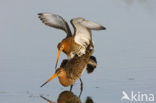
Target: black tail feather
92, 64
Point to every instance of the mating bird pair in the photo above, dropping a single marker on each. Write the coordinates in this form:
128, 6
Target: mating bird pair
79, 47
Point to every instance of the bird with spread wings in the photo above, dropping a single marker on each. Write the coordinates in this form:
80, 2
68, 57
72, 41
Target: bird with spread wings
75, 44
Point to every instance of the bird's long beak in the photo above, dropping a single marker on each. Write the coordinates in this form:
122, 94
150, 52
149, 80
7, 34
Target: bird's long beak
55, 75
59, 52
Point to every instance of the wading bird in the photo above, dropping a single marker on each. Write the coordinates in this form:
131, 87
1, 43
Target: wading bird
77, 43
71, 70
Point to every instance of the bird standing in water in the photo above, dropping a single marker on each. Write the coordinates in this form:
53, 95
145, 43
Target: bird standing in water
77, 43
72, 70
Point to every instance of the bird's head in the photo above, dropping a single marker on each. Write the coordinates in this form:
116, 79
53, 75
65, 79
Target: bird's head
60, 72
62, 46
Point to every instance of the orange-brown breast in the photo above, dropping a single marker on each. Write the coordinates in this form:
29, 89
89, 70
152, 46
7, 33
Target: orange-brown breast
69, 45
65, 81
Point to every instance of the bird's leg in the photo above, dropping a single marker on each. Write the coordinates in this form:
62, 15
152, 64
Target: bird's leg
81, 84
71, 87
81, 88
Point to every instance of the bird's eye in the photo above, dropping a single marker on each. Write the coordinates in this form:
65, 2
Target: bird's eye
62, 47
59, 72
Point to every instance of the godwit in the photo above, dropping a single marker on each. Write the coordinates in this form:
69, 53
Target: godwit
71, 70
77, 43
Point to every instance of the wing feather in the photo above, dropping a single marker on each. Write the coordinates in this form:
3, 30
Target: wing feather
82, 31
55, 21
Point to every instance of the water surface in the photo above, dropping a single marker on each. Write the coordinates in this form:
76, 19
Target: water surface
126, 51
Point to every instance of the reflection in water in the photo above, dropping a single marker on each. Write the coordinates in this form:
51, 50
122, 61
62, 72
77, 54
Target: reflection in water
68, 97
50, 101
89, 100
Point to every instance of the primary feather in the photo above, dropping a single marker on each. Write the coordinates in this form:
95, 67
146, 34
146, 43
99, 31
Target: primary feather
55, 21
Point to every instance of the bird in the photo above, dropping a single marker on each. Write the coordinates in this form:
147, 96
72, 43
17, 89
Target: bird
70, 71
81, 39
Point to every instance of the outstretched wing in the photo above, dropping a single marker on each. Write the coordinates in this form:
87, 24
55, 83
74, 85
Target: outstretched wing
55, 21
83, 29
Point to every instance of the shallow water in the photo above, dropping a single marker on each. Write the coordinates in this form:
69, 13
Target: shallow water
126, 51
